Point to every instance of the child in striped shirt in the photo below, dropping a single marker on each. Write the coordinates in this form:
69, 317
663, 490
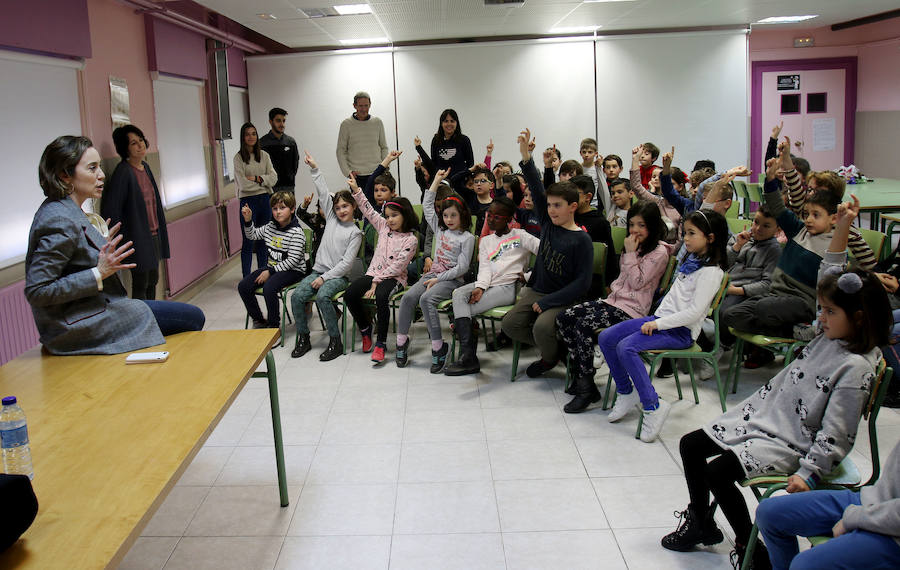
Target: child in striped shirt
286, 265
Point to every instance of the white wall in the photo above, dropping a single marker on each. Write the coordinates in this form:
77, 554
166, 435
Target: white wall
317, 92
687, 90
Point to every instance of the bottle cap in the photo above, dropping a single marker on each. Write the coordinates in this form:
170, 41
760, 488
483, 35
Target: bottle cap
9, 400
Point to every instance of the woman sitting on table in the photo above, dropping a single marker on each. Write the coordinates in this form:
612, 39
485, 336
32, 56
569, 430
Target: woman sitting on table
79, 304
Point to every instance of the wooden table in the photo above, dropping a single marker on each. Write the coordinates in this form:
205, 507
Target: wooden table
109, 440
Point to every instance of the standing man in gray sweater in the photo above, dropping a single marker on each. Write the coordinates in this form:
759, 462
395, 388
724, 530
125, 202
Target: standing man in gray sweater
361, 142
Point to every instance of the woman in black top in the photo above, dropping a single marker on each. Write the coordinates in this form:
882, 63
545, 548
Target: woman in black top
449, 147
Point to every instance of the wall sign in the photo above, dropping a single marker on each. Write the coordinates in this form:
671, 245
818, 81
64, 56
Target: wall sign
788, 82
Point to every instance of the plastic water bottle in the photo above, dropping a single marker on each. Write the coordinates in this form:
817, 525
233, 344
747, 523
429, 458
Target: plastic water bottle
14, 439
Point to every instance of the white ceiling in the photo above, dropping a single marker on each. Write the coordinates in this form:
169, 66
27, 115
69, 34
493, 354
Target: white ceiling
418, 20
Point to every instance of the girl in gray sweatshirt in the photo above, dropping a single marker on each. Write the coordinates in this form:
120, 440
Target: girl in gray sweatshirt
803, 422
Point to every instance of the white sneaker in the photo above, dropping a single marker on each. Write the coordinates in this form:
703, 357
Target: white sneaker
702, 370
653, 421
598, 358
624, 404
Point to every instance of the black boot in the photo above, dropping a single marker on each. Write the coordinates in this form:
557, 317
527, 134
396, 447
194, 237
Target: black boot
693, 531
586, 393
335, 349
302, 346
467, 362
760, 557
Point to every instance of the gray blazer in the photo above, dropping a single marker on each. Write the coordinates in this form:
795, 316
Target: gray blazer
71, 314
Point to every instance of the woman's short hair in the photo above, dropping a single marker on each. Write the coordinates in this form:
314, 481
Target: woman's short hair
120, 139
60, 159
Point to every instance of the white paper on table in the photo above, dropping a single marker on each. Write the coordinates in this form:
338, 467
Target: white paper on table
823, 134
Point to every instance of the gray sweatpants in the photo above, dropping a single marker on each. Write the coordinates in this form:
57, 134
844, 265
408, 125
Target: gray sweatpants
428, 299
495, 296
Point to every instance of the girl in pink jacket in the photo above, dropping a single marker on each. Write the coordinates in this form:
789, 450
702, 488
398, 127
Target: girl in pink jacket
642, 264
397, 246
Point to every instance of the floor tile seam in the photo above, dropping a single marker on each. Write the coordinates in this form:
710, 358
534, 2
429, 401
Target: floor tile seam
193, 515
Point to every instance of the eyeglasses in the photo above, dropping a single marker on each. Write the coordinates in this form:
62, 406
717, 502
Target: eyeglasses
492, 216
481, 181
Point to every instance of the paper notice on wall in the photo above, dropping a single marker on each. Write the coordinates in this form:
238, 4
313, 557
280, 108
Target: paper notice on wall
120, 110
823, 134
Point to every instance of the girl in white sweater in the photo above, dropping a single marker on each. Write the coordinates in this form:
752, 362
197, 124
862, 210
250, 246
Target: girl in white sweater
674, 325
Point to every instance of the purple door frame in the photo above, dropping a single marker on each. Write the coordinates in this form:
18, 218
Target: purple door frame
848, 64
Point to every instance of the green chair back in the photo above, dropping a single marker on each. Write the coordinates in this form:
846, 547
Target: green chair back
737, 225
875, 240
754, 192
618, 237
666, 280
417, 208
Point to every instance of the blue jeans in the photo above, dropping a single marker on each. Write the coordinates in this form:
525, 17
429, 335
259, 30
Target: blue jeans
262, 215
622, 344
814, 513
174, 317
304, 292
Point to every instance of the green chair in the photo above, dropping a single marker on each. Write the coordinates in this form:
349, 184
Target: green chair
754, 194
845, 476
776, 345
694, 352
740, 193
618, 237
493, 316
737, 225
876, 241
417, 208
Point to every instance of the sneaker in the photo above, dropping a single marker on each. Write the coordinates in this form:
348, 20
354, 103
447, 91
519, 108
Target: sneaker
624, 403
403, 354
599, 361
378, 355
539, 368
691, 532
259, 324
367, 340
654, 420
805, 331
439, 358
703, 370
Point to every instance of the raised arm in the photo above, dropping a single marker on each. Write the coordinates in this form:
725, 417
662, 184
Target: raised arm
377, 220
532, 177
787, 220
683, 205
322, 193
428, 203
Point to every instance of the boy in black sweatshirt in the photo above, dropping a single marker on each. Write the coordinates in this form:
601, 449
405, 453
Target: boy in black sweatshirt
597, 226
562, 271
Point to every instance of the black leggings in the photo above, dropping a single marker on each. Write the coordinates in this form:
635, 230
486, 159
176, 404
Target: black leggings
720, 476
354, 299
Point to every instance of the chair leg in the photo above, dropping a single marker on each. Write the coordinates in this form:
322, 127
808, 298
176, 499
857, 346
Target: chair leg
693, 380
515, 362
247, 321
640, 425
606, 401
675, 371
751, 546
736, 363
568, 371
344, 325
720, 387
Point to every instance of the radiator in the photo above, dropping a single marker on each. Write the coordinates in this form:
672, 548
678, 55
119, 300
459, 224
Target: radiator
195, 247
17, 330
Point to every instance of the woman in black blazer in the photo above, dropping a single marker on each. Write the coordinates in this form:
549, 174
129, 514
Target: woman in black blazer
132, 197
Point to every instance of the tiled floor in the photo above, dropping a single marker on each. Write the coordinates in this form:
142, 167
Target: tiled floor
397, 468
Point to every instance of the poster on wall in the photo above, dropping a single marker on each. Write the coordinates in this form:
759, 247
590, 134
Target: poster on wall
120, 111
788, 82
824, 135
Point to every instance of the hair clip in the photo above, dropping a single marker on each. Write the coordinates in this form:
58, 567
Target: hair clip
850, 283
834, 270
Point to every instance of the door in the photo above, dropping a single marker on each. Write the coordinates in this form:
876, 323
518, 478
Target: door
811, 103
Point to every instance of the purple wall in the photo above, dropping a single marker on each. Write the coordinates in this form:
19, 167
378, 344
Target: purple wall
58, 27
195, 248
237, 68
174, 50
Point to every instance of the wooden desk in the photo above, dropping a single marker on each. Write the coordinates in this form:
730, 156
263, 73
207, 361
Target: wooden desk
110, 440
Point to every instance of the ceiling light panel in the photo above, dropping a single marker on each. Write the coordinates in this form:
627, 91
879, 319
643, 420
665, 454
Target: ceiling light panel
787, 19
348, 27
353, 9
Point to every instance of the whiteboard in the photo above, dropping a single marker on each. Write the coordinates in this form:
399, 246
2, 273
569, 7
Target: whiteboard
317, 92
38, 102
687, 90
497, 90
179, 130
239, 112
